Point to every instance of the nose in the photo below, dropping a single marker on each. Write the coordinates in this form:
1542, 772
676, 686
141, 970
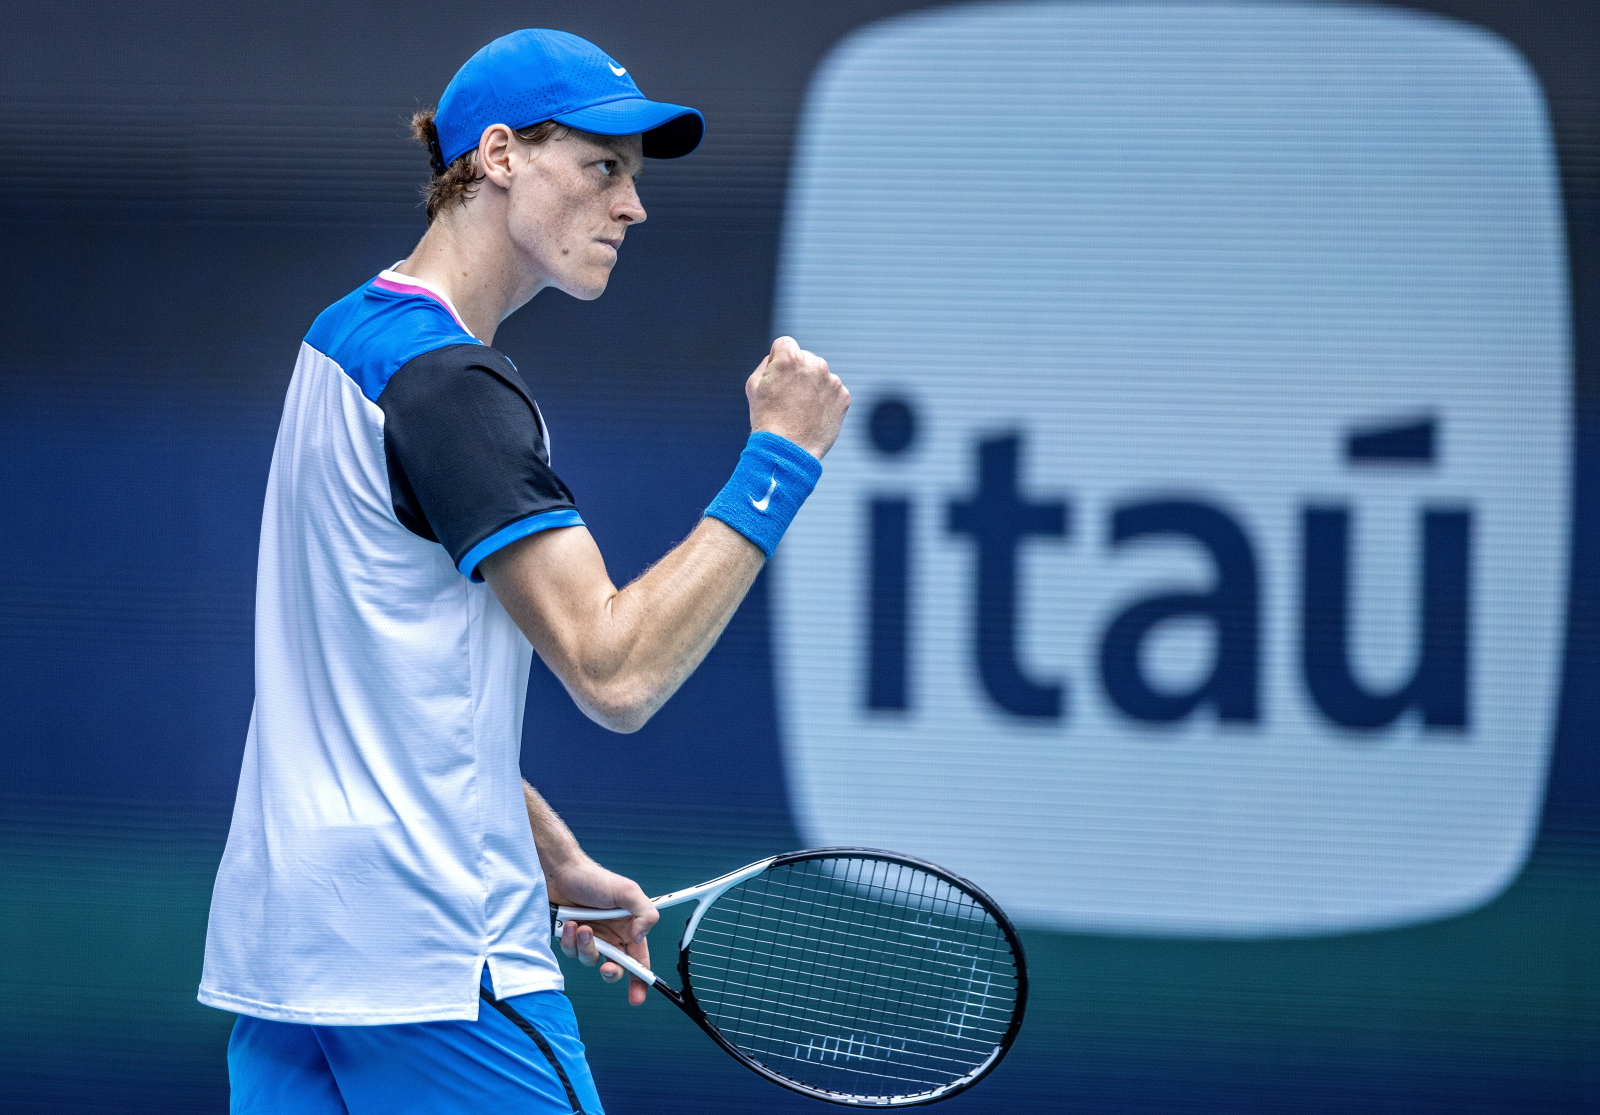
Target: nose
628, 208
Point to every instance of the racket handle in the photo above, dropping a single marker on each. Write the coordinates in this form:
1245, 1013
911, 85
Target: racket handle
579, 913
611, 952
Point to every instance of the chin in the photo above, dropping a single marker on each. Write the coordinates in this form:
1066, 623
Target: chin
586, 288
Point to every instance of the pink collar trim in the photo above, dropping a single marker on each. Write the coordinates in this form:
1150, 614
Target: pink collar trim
410, 284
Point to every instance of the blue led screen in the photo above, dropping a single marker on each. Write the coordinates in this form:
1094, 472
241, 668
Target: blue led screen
1205, 569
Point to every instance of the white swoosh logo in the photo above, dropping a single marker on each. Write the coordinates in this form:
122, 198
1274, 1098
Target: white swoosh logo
761, 504
617, 71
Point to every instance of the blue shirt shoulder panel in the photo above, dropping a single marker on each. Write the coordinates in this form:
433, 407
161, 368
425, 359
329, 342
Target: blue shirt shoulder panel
373, 332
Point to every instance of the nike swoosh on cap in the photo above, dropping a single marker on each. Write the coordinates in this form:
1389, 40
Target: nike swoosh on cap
619, 71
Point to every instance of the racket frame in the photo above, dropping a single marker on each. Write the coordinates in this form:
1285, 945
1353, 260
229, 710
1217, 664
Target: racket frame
708, 892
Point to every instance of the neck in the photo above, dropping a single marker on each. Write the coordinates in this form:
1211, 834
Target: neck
475, 265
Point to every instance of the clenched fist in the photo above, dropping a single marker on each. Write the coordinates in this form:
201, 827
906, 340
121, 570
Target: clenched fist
792, 394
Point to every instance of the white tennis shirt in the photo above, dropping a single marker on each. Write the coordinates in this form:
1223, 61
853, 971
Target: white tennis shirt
380, 851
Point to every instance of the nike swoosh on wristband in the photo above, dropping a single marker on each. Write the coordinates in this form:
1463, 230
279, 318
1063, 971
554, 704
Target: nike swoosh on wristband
762, 503
616, 71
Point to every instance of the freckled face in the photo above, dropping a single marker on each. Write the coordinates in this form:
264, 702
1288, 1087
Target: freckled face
571, 202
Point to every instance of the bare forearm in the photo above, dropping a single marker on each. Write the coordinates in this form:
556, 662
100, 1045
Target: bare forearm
622, 654
573, 879
662, 625
556, 845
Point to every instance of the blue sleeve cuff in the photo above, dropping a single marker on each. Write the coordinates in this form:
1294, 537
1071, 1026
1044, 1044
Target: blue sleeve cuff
503, 537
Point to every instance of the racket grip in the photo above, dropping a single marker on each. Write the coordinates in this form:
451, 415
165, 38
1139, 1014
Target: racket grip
611, 952
579, 913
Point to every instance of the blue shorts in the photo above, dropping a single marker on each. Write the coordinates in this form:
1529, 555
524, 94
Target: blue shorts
421, 1068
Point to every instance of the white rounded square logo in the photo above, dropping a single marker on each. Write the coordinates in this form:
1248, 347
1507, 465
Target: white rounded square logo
1194, 561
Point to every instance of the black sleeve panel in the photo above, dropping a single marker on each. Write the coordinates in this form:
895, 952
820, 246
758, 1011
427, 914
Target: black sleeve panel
466, 448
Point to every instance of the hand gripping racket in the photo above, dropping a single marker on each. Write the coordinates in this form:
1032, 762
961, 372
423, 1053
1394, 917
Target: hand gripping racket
850, 975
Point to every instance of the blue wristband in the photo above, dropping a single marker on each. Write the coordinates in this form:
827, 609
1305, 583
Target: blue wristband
773, 479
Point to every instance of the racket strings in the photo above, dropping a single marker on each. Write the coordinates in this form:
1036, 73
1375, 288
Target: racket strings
890, 1002
778, 930
818, 962
892, 918
856, 976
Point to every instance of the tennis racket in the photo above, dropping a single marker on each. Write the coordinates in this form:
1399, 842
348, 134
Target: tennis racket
850, 975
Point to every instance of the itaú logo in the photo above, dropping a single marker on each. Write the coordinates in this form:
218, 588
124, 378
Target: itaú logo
1195, 560
997, 518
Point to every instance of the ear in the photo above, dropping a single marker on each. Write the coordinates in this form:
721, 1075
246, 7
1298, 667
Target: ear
496, 150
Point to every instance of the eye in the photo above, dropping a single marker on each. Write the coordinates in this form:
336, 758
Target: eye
607, 167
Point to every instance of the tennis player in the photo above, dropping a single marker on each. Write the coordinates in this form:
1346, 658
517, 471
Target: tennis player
387, 870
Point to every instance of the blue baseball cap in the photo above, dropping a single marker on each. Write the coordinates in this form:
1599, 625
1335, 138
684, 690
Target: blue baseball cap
534, 75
